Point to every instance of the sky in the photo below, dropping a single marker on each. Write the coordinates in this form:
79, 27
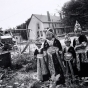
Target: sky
16, 12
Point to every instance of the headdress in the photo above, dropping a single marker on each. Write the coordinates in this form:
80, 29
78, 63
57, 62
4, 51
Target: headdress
38, 42
77, 27
67, 39
49, 30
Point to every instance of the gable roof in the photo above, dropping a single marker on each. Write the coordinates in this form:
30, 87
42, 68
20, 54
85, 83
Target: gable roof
44, 18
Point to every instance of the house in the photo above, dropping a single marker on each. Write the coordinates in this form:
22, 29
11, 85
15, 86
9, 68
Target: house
17, 33
39, 23
18, 38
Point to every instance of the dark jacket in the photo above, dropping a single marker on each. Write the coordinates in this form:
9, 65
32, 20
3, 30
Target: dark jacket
37, 52
82, 38
71, 50
56, 43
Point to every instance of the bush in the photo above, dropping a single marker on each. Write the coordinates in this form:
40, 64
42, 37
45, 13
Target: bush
36, 85
32, 65
18, 63
25, 60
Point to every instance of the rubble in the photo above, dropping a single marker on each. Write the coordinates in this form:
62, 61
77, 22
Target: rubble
27, 78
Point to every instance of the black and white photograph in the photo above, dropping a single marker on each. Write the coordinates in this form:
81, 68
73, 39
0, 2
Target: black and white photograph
43, 43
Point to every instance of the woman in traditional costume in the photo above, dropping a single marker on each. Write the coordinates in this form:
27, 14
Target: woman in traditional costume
54, 60
69, 50
42, 70
80, 44
81, 39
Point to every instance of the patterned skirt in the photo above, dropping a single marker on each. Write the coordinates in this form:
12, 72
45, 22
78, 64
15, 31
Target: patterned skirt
82, 65
55, 64
42, 69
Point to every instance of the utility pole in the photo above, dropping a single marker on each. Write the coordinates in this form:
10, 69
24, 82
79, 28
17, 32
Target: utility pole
53, 27
28, 31
28, 43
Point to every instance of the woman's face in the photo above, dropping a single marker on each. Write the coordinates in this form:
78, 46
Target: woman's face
67, 43
49, 35
39, 46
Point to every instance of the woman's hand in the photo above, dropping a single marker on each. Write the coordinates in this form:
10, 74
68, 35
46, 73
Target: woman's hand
84, 44
44, 53
52, 50
74, 61
60, 52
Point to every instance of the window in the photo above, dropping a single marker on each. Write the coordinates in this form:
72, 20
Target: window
55, 25
38, 34
16, 37
41, 33
38, 26
58, 30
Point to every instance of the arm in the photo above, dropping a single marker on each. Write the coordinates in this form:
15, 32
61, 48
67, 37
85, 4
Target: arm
82, 38
45, 45
74, 43
35, 52
58, 44
85, 39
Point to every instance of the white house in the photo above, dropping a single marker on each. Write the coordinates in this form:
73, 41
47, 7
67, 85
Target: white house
39, 23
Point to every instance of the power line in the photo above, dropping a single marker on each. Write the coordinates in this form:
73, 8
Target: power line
6, 3
14, 14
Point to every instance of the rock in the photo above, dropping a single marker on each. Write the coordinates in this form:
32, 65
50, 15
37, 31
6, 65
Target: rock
57, 77
2, 76
9, 87
0, 81
36, 85
58, 86
53, 77
3, 86
52, 85
0, 86
16, 84
22, 85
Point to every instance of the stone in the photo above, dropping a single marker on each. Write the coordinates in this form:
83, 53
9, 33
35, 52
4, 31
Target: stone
9, 87
16, 84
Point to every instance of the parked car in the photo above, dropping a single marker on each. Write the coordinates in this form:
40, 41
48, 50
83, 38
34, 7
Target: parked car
8, 42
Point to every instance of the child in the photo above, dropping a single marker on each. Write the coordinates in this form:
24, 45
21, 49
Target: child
69, 49
42, 70
39, 50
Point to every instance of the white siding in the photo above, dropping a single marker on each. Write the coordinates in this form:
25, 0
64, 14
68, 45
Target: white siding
33, 26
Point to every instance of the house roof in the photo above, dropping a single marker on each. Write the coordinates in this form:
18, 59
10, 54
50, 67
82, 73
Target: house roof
44, 18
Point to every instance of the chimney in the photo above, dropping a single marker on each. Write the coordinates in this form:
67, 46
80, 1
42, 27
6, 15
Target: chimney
60, 15
48, 16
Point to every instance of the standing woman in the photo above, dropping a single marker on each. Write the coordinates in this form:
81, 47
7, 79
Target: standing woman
53, 61
80, 44
81, 39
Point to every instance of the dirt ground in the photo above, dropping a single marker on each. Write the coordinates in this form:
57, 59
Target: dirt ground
29, 80
24, 74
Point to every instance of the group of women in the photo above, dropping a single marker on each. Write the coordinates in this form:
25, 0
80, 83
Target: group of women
51, 57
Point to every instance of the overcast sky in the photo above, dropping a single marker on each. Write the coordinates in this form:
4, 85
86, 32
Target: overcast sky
15, 12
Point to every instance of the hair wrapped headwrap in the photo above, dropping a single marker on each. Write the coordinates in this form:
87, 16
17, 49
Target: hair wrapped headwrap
50, 31
77, 27
67, 39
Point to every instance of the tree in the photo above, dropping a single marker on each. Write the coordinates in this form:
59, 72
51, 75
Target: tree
75, 10
24, 25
